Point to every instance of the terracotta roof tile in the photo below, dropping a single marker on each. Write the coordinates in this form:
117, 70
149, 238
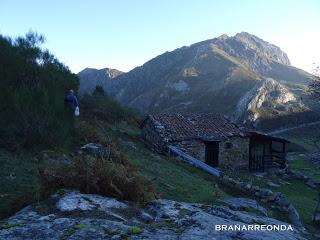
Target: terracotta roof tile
184, 126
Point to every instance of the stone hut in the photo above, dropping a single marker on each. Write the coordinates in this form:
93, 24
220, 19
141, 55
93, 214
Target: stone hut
211, 138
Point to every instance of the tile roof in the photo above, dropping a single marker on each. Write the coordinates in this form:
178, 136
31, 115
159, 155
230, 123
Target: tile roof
185, 126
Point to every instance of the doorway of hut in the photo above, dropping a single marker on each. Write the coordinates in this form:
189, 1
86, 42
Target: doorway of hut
212, 153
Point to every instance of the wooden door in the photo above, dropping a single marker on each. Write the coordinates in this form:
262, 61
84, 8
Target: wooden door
256, 155
212, 153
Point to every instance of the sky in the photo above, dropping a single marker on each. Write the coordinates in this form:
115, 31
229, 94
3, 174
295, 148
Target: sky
124, 34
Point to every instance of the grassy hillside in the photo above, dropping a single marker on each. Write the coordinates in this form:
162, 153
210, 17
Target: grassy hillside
308, 137
20, 183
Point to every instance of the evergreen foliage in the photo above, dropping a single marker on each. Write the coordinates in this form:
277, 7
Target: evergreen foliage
33, 84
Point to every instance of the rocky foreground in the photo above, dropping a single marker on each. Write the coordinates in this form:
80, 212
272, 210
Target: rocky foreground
72, 215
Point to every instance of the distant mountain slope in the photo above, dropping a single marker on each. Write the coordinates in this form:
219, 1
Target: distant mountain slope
242, 76
91, 77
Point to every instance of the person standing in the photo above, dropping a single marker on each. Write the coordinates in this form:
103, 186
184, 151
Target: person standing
71, 101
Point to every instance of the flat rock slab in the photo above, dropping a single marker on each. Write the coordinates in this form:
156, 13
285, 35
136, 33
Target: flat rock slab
246, 204
272, 184
87, 216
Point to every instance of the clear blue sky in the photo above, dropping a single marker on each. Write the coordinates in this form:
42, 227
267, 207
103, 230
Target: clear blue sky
124, 34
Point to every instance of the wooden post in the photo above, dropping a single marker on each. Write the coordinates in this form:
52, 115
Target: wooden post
284, 147
250, 157
317, 210
284, 154
263, 156
270, 147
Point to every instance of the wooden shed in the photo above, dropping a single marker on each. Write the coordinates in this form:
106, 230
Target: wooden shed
266, 151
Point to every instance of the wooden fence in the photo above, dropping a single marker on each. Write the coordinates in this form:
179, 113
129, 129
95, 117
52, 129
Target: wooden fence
256, 163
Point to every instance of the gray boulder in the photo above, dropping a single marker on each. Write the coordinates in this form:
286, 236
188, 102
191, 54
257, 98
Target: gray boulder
246, 204
95, 149
294, 216
311, 183
272, 184
87, 216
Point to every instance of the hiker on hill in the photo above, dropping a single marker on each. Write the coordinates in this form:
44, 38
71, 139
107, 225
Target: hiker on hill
71, 101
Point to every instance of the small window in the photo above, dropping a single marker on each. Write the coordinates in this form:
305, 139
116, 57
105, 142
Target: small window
228, 145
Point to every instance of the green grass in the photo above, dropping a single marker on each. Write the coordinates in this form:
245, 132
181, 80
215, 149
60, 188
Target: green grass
136, 230
304, 136
299, 163
7, 226
219, 51
81, 226
19, 182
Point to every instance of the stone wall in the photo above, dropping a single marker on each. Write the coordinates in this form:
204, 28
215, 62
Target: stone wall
193, 147
234, 152
153, 135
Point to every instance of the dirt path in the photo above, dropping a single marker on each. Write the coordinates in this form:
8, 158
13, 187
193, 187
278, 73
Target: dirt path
281, 130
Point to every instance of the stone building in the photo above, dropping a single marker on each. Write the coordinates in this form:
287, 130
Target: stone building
213, 139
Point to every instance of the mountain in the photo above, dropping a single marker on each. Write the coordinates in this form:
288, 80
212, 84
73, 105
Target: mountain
242, 76
91, 77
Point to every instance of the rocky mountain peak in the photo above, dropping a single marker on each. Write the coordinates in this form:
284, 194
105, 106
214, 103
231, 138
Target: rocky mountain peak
91, 77
87, 70
266, 49
223, 37
112, 73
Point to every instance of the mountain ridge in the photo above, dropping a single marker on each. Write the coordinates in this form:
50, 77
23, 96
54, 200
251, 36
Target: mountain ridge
215, 75
92, 77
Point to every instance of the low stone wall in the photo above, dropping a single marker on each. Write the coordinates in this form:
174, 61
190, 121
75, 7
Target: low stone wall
299, 176
277, 200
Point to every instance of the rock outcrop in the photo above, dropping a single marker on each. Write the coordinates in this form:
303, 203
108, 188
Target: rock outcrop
267, 99
72, 215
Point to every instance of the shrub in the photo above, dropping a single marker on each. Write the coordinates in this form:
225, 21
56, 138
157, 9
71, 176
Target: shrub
33, 84
111, 175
